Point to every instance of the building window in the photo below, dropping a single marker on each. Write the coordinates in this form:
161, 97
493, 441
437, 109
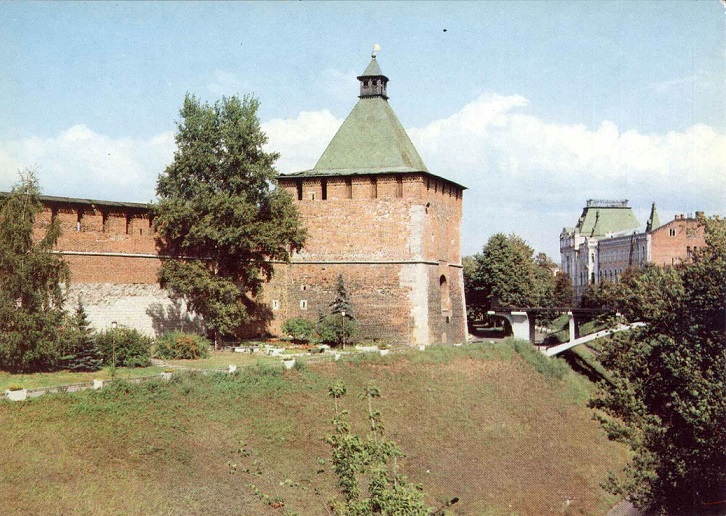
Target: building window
672, 232
275, 304
324, 187
298, 185
303, 304
303, 288
399, 186
348, 188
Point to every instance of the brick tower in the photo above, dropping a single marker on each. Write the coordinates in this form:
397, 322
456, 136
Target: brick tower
376, 215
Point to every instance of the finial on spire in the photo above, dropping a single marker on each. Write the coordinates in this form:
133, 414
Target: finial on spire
376, 48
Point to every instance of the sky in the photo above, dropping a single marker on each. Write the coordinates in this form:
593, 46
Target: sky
534, 106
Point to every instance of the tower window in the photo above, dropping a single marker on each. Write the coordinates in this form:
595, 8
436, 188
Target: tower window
298, 185
303, 304
672, 232
128, 224
399, 186
348, 188
324, 189
374, 188
275, 304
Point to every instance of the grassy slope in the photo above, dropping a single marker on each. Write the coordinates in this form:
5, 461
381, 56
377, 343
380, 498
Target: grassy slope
476, 422
217, 360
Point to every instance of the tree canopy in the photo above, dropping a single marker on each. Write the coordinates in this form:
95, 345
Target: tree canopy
220, 218
31, 298
506, 273
667, 399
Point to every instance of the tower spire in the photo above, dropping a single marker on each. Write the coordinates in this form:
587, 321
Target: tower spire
653, 221
372, 81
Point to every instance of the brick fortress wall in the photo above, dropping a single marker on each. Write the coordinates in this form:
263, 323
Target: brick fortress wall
111, 253
394, 238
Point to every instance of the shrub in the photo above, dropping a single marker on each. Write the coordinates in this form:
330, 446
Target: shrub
301, 330
131, 348
180, 345
337, 330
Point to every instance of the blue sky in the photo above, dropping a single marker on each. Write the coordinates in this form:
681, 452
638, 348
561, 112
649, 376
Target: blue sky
535, 106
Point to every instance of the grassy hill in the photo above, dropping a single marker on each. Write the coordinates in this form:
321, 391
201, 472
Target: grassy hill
495, 427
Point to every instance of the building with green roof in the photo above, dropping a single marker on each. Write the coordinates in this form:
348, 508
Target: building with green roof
608, 239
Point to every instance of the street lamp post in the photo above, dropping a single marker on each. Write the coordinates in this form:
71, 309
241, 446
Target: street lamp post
342, 326
114, 325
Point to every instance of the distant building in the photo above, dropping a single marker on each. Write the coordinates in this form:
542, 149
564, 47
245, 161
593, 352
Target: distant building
608, 239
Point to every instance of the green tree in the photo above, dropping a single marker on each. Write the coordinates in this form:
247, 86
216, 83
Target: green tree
563, 293
507, 274
340, 327
31, 298
220, 217
342, 304
82, 355
667, 399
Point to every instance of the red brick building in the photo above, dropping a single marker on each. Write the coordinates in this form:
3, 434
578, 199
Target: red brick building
374, 214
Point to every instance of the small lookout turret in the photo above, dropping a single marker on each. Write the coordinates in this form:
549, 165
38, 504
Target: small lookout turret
373, 82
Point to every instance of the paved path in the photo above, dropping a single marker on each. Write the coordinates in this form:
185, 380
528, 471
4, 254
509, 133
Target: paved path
625, 508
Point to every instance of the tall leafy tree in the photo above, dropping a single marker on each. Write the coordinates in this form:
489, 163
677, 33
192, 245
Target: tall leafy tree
220, 217
563, 293
507, 274
31, 298
667, 399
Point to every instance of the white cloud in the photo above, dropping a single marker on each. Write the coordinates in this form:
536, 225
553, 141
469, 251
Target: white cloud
524, 173
82, 163
302, 140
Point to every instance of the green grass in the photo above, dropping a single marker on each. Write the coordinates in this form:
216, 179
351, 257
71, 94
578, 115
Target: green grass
478, 422
217, 360
222, 359
35, 380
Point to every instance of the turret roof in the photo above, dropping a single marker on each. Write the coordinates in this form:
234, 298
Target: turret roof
370, 141
653, 220
373, 70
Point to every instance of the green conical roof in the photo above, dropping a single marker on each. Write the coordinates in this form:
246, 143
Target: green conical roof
653, 221
373, 70
371, 140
